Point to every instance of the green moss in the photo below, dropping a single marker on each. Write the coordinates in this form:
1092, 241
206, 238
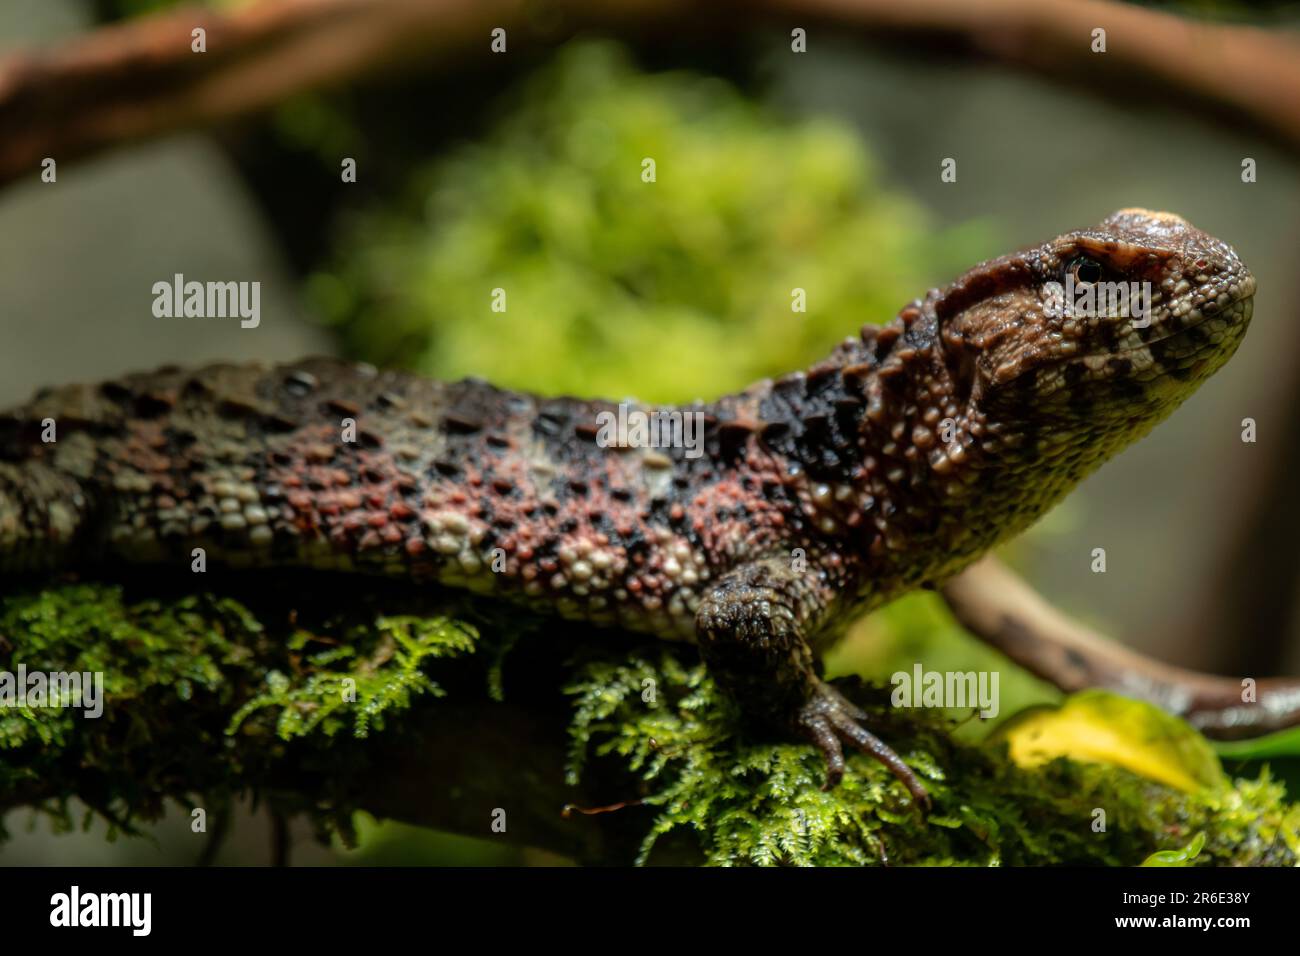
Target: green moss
762, 803
201, 695
328, 699
209, 696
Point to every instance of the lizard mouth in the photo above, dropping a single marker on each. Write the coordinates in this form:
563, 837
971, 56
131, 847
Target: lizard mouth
1215, 329
1203, 344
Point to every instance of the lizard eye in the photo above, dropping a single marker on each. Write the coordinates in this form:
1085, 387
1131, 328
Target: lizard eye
1086, 271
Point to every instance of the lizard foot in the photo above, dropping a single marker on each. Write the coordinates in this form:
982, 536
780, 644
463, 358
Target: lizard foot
827, 718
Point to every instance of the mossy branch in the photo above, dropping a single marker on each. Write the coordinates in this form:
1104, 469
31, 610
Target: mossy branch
326, 706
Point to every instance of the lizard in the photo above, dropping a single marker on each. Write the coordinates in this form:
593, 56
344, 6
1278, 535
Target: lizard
892, 464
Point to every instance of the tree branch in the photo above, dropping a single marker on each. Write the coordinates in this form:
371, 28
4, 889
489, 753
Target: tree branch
130, 82
1005, 612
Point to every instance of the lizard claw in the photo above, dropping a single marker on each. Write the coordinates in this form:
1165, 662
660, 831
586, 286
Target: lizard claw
828, 717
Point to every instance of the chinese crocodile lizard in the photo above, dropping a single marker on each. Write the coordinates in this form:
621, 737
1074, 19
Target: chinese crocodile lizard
892, 464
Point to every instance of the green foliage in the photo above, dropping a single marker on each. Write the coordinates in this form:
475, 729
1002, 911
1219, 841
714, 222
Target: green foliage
1282, 743
210, 696
169, 649
329, 700
615, 286
187, 678
758, 803
1182, 857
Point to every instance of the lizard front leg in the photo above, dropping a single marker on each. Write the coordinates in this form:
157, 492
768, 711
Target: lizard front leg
752, 629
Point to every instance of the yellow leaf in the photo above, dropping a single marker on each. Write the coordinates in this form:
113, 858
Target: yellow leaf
1100, 727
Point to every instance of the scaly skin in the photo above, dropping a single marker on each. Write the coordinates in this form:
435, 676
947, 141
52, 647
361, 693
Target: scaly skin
891, 465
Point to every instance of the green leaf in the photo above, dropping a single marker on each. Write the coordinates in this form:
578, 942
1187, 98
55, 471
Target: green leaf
1283, 743
1184, 857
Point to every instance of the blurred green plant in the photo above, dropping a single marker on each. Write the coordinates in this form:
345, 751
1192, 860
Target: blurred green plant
667, 290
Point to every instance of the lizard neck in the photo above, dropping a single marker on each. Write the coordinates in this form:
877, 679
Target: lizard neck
866, 443
888, 450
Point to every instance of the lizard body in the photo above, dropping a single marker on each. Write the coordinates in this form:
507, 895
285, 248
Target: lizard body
892, 464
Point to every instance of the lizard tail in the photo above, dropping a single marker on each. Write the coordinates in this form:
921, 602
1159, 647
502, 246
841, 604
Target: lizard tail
1003, 611
42, 512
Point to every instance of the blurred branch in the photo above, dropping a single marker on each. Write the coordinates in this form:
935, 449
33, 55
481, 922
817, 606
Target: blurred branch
476, 755
129, 82
1242, 74
1001, 609
140, 79
137, 80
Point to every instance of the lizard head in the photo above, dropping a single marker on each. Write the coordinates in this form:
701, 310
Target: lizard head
1109, 326
985, 403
